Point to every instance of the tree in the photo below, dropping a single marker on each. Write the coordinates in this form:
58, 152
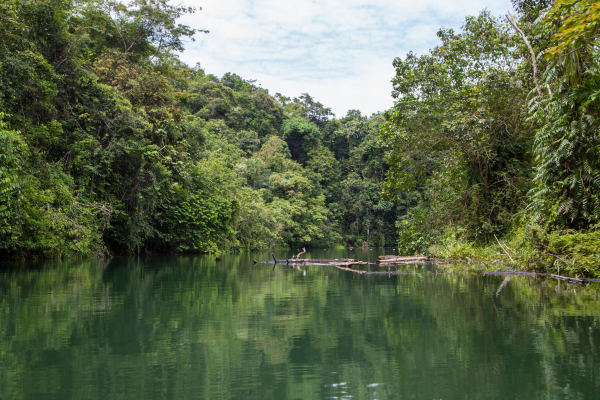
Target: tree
326, 168
301, 137
12, 148
566, 194
461, 109
577, 23
306, 107
146, 28
530, 9
307, 209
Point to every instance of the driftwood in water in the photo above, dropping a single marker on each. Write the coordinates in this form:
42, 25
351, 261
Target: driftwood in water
298, 256
398, 260
394, 257
289, 262
439, 261
364, 272
347, 264
319, 260
398, 263
381, 258
393, 260
509, 273
574, 281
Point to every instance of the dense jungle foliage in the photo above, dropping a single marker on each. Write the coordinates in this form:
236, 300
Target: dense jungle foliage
497, 130
111, 144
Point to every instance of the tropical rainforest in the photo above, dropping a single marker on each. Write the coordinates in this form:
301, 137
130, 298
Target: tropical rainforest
112, 145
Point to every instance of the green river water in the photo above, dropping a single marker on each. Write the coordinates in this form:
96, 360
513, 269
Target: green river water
191, 327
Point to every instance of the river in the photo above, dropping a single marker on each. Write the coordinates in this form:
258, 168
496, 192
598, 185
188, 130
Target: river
191, 327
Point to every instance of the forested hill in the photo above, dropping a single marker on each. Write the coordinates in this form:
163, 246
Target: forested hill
110, 144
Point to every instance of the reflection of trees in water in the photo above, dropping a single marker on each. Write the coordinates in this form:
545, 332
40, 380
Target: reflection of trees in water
187, 328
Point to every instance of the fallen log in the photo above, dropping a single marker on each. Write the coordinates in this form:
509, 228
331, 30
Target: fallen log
392, 264
319, 260
567, 279
347, 264
510, 273
281, 262
443, 262
422, 260
400, 259
392, 257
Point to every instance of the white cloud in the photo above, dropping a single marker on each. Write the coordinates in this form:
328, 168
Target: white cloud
339, 51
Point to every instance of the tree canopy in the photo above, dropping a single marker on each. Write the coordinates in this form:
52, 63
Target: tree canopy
112, 144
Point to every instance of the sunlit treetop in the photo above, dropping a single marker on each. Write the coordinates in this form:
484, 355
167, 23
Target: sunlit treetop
578, 23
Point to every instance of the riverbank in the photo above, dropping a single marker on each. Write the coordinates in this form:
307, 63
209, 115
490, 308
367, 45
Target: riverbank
570, 253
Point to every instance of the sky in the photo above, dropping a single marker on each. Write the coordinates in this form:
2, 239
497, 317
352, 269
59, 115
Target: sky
338, 51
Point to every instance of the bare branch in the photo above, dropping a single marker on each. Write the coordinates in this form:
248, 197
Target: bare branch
533, 58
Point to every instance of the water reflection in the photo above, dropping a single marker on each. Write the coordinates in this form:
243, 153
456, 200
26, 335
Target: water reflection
196, 328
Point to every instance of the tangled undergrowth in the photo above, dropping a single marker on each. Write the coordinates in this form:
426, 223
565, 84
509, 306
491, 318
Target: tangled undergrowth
571, 253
